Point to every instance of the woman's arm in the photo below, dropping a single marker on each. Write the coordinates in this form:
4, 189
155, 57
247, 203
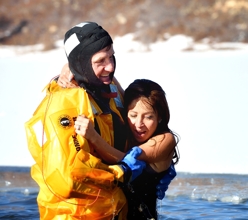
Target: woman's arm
85, 128
65, 79
157, 151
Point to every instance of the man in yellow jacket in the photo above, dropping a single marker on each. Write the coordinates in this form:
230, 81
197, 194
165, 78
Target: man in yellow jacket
74, 183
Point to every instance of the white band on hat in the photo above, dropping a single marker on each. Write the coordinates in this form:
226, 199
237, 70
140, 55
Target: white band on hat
71, 43
81, 24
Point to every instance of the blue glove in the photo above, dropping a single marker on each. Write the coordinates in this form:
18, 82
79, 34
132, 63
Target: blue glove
131, 166
165, 182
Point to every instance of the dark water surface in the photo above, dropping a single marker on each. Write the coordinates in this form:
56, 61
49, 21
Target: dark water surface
190, 196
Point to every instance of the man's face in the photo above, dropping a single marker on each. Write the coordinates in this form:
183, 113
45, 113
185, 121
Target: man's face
103, 64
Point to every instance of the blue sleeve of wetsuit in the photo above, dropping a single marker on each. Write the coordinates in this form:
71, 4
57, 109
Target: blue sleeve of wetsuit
131, 165
165, 182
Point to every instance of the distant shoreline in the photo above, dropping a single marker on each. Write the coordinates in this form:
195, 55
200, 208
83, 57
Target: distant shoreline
18, 169
26, 169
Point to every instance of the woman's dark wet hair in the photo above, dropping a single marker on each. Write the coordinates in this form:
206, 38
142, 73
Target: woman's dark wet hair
153, 95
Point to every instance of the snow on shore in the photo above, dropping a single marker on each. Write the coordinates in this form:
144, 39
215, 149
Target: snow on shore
206, 90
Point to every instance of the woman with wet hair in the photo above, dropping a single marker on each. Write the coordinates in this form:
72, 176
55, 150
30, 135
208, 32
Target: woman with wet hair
147, 116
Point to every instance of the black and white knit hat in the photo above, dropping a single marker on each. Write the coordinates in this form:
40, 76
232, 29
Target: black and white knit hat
81, 42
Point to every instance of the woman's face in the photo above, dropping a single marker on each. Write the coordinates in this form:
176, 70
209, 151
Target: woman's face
142, 120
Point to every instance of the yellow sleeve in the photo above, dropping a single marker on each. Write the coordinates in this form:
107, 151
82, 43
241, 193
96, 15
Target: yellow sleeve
62, 156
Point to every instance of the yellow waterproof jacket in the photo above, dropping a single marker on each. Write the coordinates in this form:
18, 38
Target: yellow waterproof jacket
73, 183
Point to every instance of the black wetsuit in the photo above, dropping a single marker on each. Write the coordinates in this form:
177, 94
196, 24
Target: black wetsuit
141, 196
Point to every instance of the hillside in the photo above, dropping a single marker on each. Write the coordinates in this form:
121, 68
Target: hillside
28, 22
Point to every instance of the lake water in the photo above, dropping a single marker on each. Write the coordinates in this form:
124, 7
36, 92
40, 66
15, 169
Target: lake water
190, 196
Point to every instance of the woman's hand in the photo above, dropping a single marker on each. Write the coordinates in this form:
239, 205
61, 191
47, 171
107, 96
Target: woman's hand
65, 79
99, 147
85, 128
